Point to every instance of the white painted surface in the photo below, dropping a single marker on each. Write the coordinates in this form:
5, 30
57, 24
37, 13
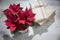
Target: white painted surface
51, 35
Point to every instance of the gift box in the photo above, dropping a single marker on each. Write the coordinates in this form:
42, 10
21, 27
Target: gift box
43, 12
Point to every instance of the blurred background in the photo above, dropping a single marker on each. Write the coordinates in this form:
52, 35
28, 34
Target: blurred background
5, 3
54, 3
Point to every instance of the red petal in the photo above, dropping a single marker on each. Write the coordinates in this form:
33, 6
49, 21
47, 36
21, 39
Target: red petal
14, 7
7, 12
12, 29
11, 6
8, 23
17, 19
22, 21
29, 23
30, 19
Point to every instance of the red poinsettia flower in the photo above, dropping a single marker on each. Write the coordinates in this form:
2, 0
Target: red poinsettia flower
30, 16
17, 18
